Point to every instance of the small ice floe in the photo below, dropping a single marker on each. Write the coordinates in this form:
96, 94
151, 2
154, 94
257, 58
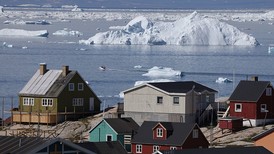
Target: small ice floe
152, 81
21, 32
67, 32
87, 82
7, 45
102, 68
271, 48
156, 72
223, 80
24, 47
138, 66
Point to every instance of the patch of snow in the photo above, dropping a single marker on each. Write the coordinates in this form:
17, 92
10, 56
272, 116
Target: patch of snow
21, 32
159, 72
193, 29
67, 32
223, 80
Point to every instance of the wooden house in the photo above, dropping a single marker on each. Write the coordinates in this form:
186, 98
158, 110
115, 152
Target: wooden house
114, 129
253, 101
265, 139
183, 101
52, 96
157, 136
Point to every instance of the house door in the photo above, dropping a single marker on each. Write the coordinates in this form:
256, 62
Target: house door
91, 104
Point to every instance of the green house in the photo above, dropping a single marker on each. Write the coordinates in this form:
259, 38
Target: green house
53, 96
114, 129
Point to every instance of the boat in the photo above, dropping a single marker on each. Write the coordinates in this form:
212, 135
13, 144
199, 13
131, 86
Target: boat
102, 68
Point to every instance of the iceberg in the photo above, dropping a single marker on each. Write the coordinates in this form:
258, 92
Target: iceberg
223, 80
152, 81
67, 32
21, 32
193, 29
157, 72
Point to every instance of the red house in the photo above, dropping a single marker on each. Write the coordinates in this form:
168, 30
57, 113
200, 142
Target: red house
253, 101
155, 136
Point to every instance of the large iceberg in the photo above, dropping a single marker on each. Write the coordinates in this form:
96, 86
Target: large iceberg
21, 32
159, 72
194, 29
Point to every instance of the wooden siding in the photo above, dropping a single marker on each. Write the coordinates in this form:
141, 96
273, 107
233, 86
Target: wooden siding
200, 142
248, 110
99, 133
155, 133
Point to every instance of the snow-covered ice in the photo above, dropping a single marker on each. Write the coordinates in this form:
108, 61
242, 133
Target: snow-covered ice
194, 29
223, 80
152, 81
67, 32
21, 32
160, 72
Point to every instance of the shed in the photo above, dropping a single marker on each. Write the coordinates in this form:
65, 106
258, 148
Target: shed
231, 123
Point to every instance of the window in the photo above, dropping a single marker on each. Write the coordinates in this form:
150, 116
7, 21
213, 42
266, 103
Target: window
77, 101
175, 100
159, 100
268, 91
159, 132
238, 107
155, 148
71, 86
28, 101
47, 102
207, 98
263, 108
173, 148
138, 148
195, 133
109, 137
80, 86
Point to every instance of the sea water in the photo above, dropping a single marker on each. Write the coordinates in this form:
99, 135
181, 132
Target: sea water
202, 64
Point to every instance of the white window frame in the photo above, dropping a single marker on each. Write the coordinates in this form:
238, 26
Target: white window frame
207, 98
80, 86
28, 101
173, 148
195, 133
78, 102
240, 109
47, 102
268, 91
159, 132
160, 99
263, 108
156, 148
138, 148
176, 100
107, 135
71, 86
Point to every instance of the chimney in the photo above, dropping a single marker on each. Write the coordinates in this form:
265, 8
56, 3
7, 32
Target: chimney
254, 78
43, 68
65, 70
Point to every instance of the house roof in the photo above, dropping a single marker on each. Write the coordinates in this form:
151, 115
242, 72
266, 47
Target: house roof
177, 138
249, 91
263, 134
176, 87
113, 147
227, 150
120, 125
123, 125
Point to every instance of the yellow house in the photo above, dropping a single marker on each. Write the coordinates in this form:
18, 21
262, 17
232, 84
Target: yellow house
265, 139
52, 96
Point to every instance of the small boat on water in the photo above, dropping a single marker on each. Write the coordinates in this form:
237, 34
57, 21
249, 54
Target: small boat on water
102, 68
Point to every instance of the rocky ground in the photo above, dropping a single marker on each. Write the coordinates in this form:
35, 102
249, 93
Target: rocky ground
78, 131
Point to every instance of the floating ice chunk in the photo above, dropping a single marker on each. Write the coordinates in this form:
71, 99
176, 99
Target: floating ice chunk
21, 32
152, 81
138, 66
1, 9
156, 72
67, 32
223, 80
24, 47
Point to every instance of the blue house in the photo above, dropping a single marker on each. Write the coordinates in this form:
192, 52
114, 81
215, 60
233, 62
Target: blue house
114, 129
